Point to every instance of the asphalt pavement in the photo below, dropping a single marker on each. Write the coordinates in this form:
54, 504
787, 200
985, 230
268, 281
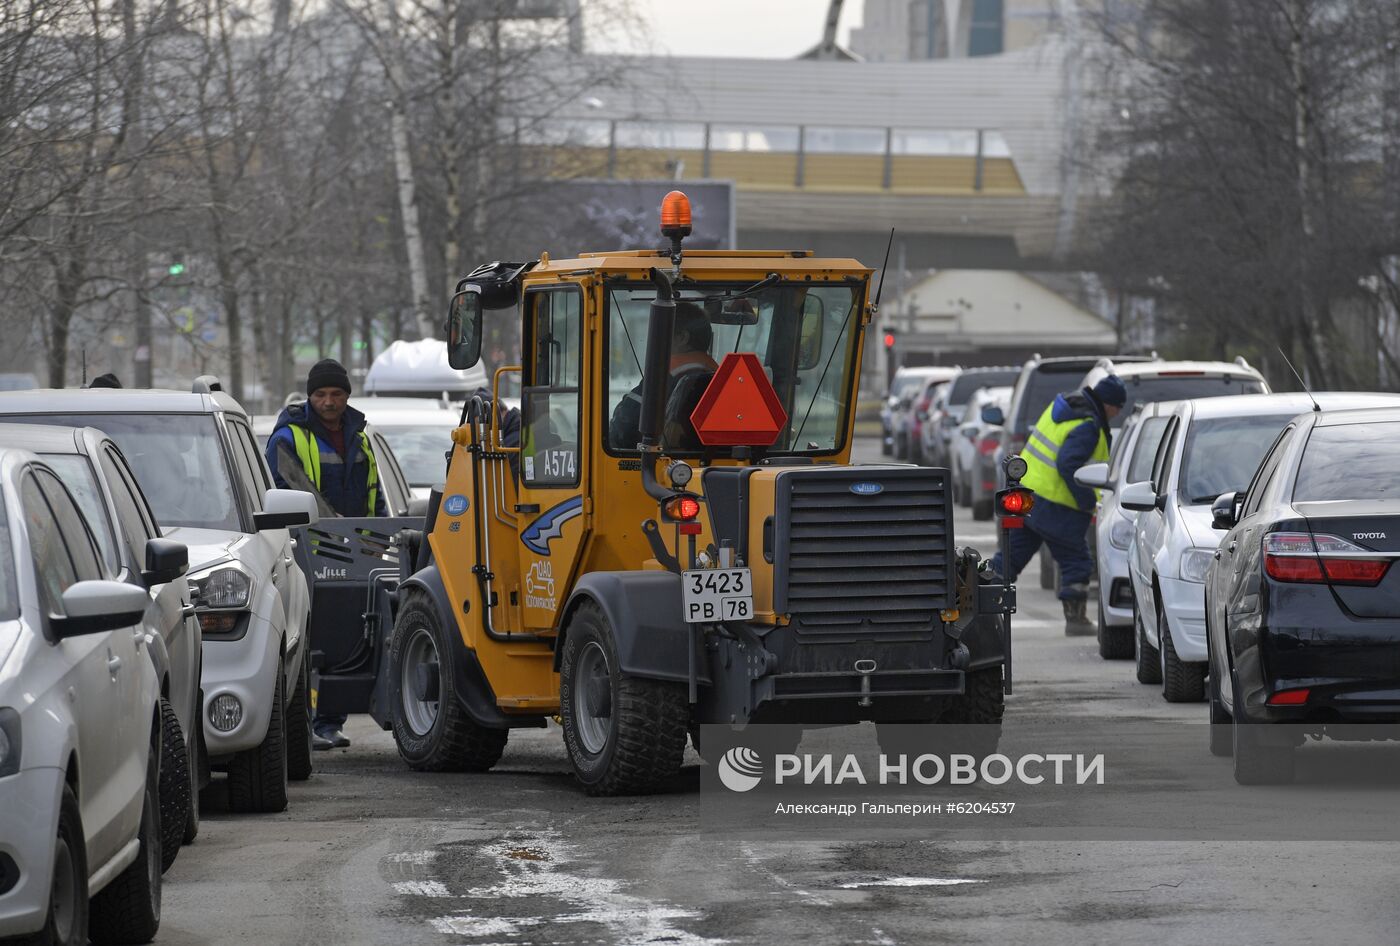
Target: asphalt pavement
371, 852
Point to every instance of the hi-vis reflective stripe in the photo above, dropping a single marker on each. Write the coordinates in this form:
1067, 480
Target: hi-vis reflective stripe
1042, 447
309, 453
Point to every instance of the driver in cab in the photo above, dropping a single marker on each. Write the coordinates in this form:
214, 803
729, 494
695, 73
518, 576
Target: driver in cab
692, 369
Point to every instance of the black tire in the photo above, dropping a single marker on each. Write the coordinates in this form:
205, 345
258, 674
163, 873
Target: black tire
1182, 681
1221, 731
982, 509
299, 753
1115, 643
1147, 664
1257, 763
174, 785
67, 913
434, 735
901, 448
977, 714
624, 735
257, 777
128, 909
1047, 571
916, 452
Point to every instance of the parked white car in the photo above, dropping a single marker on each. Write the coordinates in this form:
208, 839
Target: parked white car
420, 435
1210, 446
132, 550
1134, 450
196, 460
1158, 380
80, 724
973, 449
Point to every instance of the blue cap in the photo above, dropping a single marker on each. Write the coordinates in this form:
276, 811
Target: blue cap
1110, 391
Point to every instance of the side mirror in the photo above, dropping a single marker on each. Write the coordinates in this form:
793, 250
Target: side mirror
991, 414
1223, 512
286, 509
90, 607
1139, 497
1093, 474
464, 328
166, 560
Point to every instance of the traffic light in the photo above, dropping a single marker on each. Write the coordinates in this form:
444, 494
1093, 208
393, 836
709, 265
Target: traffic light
889, 338
177, 269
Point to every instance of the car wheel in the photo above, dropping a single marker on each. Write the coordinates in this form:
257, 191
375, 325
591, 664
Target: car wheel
431, 727
1256, 762
1115, 643
624, 735
982, 510
1147, 664
916, 452
128, 909
900, 450
198, 763
299, 727
1221, 732
67, 923
1182, 681
975, 716
174, 785
257, 777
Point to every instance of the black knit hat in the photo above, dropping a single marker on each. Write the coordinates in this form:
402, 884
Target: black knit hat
327, 373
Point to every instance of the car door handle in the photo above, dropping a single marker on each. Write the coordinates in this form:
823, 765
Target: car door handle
1233, 546
1217, 555
114, 663
188, 611
286, 560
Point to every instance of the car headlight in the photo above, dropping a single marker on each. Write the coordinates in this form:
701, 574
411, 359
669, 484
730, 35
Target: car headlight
9, 741
1195, 563
1120, 534
225, 587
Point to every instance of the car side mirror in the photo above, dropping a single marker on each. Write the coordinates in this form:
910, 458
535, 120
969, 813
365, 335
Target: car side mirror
464, 328
286, 509
1224, 511
91, 607
991, 414
1139, 497
1093, 474
166, 560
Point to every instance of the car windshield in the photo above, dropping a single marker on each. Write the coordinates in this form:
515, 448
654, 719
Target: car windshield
178, 460
969, 382
904, 384
420, 450
9, 591
76, 473
805, 336
1349, 461
1222, 454
1147, 389
1041, 387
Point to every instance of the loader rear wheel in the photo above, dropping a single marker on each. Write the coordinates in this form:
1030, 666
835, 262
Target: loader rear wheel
625, 735
431, 727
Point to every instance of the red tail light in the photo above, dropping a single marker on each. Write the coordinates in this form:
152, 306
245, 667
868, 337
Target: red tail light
1289, 697
988, 445
1304, 557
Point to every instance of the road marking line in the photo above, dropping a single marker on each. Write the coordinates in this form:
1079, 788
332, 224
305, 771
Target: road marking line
911, 882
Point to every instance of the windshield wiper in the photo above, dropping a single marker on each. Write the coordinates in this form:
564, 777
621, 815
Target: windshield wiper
762, 284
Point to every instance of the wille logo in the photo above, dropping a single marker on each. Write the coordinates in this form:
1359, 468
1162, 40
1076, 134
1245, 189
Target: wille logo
323, 573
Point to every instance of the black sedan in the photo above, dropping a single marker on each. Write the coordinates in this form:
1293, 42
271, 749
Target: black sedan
1302, 604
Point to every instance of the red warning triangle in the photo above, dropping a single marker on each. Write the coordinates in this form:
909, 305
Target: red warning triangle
740, 407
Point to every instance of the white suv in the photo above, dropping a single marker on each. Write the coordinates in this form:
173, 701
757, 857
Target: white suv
1210, 446
196, 461
80, 724
1157, 380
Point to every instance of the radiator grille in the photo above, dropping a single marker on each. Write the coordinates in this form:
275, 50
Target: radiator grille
856, 561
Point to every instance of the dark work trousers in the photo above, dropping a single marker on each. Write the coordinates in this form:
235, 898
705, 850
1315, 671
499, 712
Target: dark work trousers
1065, 531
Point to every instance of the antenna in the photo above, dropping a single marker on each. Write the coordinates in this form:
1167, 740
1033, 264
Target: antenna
883, 268
1317, 408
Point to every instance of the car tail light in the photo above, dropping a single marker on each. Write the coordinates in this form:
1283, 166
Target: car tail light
1303, 557
988, 445
1289, 697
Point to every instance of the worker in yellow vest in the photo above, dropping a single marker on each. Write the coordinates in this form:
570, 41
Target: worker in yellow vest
1073, 431
322, 443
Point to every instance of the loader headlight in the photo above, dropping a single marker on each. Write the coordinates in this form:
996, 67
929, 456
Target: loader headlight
225, 587
1195, 563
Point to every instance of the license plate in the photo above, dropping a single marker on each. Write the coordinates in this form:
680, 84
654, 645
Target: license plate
717, 594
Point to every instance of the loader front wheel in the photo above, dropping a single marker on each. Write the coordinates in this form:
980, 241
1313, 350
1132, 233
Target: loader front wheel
431, 727
625, 735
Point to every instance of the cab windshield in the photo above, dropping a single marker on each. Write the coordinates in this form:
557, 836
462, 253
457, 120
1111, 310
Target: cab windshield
804, 334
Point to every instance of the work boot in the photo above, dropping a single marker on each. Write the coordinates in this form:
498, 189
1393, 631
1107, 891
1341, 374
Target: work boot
320, 743
1077, 623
